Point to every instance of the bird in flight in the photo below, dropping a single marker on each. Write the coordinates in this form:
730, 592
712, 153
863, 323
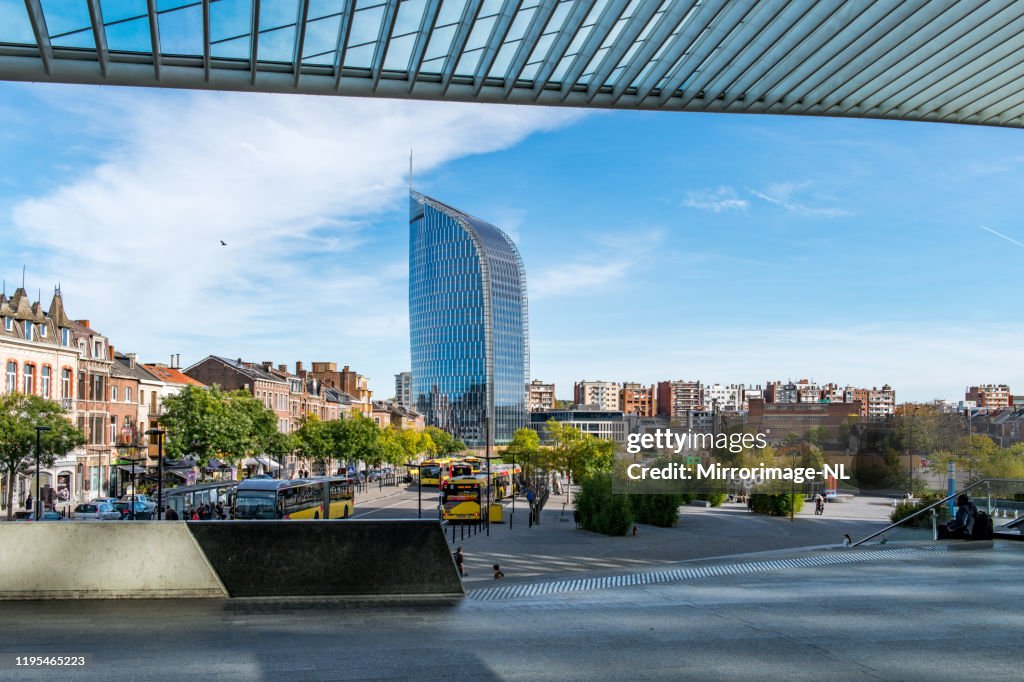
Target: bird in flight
223, 243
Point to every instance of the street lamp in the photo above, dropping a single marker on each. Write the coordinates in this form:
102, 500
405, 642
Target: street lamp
39, 450
160, 473
129, 435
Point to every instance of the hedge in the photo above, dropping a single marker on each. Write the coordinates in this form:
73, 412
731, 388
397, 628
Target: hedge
776, 504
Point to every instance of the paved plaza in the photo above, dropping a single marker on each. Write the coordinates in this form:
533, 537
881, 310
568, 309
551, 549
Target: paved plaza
910, 618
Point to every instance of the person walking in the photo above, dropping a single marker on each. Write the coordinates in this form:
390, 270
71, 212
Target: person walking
460, 561
28, 502
498, 574
170, 514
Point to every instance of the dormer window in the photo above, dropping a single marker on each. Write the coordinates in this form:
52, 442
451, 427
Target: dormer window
8, 324
42, 331
65, 337
28, 330
97, 349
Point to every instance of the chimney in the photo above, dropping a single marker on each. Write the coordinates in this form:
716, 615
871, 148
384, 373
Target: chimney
267, 364
110, 350
177, 361
298, 367
282, 368
131, 360
84, 323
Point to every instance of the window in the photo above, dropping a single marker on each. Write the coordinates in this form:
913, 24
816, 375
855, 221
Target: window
28, 330
113, 428
8, 324
65, 383
81, 385
12, 376
98, 389
128, 394
113, 393
28, 373
65, 337
142, 397
97, 349
44, 382
42, 331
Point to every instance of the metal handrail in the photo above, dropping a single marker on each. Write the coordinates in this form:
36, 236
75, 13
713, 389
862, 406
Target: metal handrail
945, 499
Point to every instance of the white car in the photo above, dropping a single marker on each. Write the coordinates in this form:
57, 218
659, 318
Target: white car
100, 511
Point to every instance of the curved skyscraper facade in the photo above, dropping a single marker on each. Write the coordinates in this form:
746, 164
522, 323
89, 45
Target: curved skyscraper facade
467, 323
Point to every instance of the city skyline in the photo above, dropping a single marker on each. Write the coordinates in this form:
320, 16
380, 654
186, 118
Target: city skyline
732, 249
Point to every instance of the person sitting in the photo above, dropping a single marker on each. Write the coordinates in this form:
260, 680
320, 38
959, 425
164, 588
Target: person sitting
498, 575
963, 523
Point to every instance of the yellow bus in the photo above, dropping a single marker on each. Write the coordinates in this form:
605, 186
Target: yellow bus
475, 463
433, 471
460, 498
320, 497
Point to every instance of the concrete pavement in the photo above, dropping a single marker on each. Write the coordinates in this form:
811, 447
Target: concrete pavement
935, 616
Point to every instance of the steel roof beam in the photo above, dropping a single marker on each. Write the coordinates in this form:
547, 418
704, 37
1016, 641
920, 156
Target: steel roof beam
99, 35
704, 46
573, 24
703, 15
344, 29
154, 35
635, 25
499, 31
541, 16
380, 50
301, 15
613, 11
462, 32
676, 12
38, 21
941, 65
744, 39
206, 40
419, 48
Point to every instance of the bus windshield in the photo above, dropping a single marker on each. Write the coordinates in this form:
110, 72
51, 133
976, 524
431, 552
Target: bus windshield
255, 504
430, 471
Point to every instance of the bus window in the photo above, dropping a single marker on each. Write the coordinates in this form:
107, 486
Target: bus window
256, 504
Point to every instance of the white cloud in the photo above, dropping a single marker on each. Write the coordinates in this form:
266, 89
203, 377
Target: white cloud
615, 257
715, 200
781, 194
288, 182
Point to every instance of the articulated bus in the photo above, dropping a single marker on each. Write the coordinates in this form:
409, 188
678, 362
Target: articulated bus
320, 497
462, 497
187, 497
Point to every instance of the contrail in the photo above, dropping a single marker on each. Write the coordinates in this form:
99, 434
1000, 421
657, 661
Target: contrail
1000, 234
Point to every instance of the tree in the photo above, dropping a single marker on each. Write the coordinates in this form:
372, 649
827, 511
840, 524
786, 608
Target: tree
817, 435
523, 448
414, 443
196, 422
445, 444
313, 439
355, 438
389, 446
577, 454
19, 416
251, 426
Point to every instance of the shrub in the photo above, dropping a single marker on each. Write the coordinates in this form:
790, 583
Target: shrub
776, 504
716, 499
658, 510
600, 509
908, 507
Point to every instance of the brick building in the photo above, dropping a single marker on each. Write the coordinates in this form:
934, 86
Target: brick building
638, 399
990, 396
676, 398
256, 379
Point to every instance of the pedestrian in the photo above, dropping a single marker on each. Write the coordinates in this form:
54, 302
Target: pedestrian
194, 515
962, 524
819, 504
634, 530
28, 502
498, 575
576, 517
219, 509
460, 561
170, 514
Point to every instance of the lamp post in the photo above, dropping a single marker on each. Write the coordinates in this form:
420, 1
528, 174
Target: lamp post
129, 443
160, 473
39, 451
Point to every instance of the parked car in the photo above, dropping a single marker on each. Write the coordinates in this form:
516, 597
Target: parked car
143, 512
96, 512
103, 500
47, 516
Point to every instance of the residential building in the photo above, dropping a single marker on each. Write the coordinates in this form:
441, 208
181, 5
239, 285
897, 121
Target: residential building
388, 413
92, 416
41, 355
604, 395
638, 399
129, 419
467, 324
403, 390
541, 396
726, 398
257, 379
781, 392
990, 396
676, 398
345, 380
878, 403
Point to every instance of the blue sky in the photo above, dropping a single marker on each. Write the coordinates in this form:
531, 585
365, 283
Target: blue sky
658, 246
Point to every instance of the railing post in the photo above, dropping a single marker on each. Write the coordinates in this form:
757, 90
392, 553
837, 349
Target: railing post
935, 525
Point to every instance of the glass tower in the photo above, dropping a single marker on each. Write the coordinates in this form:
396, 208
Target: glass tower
467, 324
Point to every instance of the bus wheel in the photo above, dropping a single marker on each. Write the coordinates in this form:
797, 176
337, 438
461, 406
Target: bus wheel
316, 515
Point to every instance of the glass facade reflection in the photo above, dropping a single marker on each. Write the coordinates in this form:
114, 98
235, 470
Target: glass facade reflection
467, 323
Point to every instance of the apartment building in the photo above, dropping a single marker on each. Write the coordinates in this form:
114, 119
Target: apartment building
540, 396
602, 394
990, 396
676, 398
638, 399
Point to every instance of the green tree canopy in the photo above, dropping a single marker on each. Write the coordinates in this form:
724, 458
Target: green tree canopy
19, 416
445, 444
